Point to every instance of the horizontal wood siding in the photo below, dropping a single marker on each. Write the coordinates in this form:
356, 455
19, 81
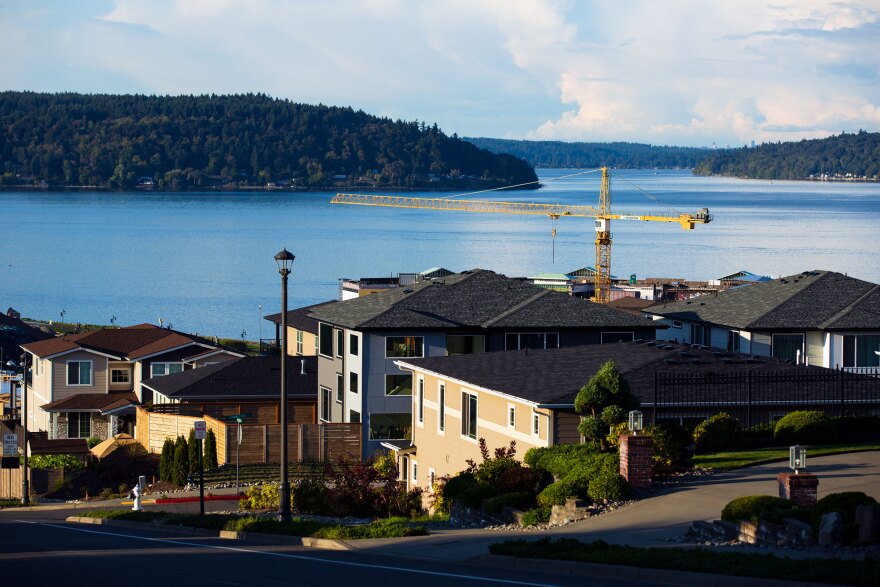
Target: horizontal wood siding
60, 389
565, 424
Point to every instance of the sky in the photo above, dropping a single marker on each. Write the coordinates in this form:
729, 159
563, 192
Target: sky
677, 72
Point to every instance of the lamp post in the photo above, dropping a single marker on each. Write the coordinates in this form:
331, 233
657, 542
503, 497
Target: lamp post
285, 262
260, 340
797, 458
25, 489
635, 421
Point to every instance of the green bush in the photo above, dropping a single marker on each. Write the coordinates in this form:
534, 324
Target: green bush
93, 441
457, 486
389, 528
166, 462
180, 469
192, 447
556, 493
844, 503
755, 507
668, 448
560, 459
385, 464
719, 432
260, 497
518, 500
805, 427
490, 471
610, 486
210, 450
523, 479
535, 516
309, 496
67, 462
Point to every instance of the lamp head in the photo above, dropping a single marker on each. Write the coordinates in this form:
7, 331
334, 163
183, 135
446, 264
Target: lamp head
285, 261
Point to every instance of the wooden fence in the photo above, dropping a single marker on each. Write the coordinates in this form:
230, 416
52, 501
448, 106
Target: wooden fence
152, 429
10, 483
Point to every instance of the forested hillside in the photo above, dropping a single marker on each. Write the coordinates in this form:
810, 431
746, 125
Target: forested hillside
179, 142
846, 156
589, 155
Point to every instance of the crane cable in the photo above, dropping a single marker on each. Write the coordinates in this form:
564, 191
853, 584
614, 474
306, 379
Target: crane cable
519, 185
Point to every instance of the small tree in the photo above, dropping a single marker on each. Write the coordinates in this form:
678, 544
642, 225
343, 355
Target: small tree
210, 450
180, 469
193, 449
166, 462
607, 398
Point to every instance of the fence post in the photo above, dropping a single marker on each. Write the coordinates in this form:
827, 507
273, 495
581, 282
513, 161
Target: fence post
842, 374
654, 411
748, 399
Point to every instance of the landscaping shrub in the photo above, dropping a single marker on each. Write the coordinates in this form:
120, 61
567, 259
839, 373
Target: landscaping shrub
605, 399
389, 528
858, 429
397, 501
180, 469
560, 459
385, 464
755, 507
260, 497
523, 479
719, 432
844, 503
166, 462
668, 447
309, 496
805, 427
210, 450
556, 493
519, 500
535, 516
67, 462
457, 486
440, 503
608, 485
93, 441
192, 447
759, 435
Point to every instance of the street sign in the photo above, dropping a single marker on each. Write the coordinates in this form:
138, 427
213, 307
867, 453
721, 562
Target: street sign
10, 445
201, 429
237, 417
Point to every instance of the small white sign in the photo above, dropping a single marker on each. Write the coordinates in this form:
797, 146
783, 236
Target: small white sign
200, 428
10, 445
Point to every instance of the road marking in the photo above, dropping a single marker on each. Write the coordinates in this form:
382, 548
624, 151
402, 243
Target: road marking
293, 556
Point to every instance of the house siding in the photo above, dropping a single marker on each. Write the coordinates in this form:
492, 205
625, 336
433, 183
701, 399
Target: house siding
565, 427
60, 389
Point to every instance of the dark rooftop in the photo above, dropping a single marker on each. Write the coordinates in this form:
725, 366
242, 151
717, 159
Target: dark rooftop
88, 402
299, 318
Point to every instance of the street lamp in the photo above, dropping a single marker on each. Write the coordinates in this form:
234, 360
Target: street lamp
25, 489
285, 262
635, 421
260, 340
797, 458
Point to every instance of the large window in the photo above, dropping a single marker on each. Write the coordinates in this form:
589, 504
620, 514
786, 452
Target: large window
700, 334
340, 343
469, 415
514, 341
299, 342
786, 346
325, 404
160, 369
465, 344
404, 346
733, 338
340, 387
353, 382
859, 350
398, 385
441, 408
353, 344
390, 426
325, 340
79, 425
79, 373
120, 375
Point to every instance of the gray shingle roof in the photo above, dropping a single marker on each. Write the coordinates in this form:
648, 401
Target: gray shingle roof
811, 300
477, 298
299, 318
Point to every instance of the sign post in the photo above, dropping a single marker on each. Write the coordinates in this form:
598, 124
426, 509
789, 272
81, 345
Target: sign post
10, 452
200, 430
238, 453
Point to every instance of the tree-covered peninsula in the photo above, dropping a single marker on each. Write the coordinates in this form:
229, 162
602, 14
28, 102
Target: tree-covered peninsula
185, 142
853, 156
590, 155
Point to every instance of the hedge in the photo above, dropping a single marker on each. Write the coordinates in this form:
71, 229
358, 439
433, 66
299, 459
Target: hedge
805, 427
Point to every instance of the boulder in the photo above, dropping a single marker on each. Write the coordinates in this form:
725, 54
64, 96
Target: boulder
831, 529
868, 521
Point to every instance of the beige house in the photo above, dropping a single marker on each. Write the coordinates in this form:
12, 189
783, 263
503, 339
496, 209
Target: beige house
302, 331
87, 385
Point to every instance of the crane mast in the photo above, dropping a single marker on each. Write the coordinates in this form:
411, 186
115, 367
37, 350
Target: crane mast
602, 215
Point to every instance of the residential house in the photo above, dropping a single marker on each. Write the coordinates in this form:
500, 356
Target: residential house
528, 396
822, 318
360, 340
356, 288
302, 332
86, 385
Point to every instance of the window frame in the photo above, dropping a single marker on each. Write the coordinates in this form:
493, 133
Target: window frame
536, 424
353, 382
414, 355
167, 369
340, 343
631, 334
115, 370
511, 416
79, 373
469, 415
353, 344
677, 324
340, 387
387, 375
441, 407
519, 339
474, 337
420, 403
326, 414
299, 341
734, 341
79, 424
319, 340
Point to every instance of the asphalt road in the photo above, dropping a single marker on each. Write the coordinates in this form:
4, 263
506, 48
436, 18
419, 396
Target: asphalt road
40, 551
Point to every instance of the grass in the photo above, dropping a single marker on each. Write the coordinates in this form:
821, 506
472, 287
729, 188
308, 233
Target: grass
758, 456
697, 560
12, 503
388, 528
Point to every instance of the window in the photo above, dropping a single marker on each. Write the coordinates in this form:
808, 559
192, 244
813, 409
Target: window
353, 343
858, 350
536, 424
405, 468
325, 404
340, 387
676, 323
79, 373
469, 415
353, 382
161, 369
398, 385
511, 416
441, 408
514, 341
786, 346
465, 345
609, 337
340, 343
415, 475
325, 340
120, 376
354, 417
299, 342
421, 401
390, 426
404, 346
700, 334
79, 425
733, 341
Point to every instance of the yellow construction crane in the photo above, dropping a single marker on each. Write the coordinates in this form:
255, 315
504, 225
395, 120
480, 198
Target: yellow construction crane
602, 214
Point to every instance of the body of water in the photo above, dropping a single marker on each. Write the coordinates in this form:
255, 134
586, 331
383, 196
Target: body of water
204, 261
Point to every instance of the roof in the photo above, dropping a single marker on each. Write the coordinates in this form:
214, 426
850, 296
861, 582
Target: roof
299, 318
92, 402
813, 300
15, 332
553, 276
247, 377
131, 343
555, 376
472, 299
58, 446
631, 304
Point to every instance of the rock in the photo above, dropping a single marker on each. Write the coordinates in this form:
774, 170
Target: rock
868, 521
831, 529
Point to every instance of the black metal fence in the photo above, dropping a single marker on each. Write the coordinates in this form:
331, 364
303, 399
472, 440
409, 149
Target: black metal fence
755, 397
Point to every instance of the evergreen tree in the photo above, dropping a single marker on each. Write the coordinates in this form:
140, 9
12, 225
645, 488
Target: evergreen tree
193, 448
210, 450
181, 462
166, 462
607, 398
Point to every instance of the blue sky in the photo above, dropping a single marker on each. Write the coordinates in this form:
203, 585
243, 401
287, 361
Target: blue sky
676, 72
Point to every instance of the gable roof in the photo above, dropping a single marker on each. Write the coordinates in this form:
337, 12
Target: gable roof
300, 318
554, 377
472, 299
14, 333
131, 342
823, 300
90, 402
251, 377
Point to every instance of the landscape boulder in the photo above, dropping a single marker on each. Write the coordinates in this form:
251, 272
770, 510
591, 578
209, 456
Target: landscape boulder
868, 521
831, 529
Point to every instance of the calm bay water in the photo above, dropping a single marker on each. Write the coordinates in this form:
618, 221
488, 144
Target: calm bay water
203, 261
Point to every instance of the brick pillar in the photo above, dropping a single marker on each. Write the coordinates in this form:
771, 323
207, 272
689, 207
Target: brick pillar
799, 488
635, 459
